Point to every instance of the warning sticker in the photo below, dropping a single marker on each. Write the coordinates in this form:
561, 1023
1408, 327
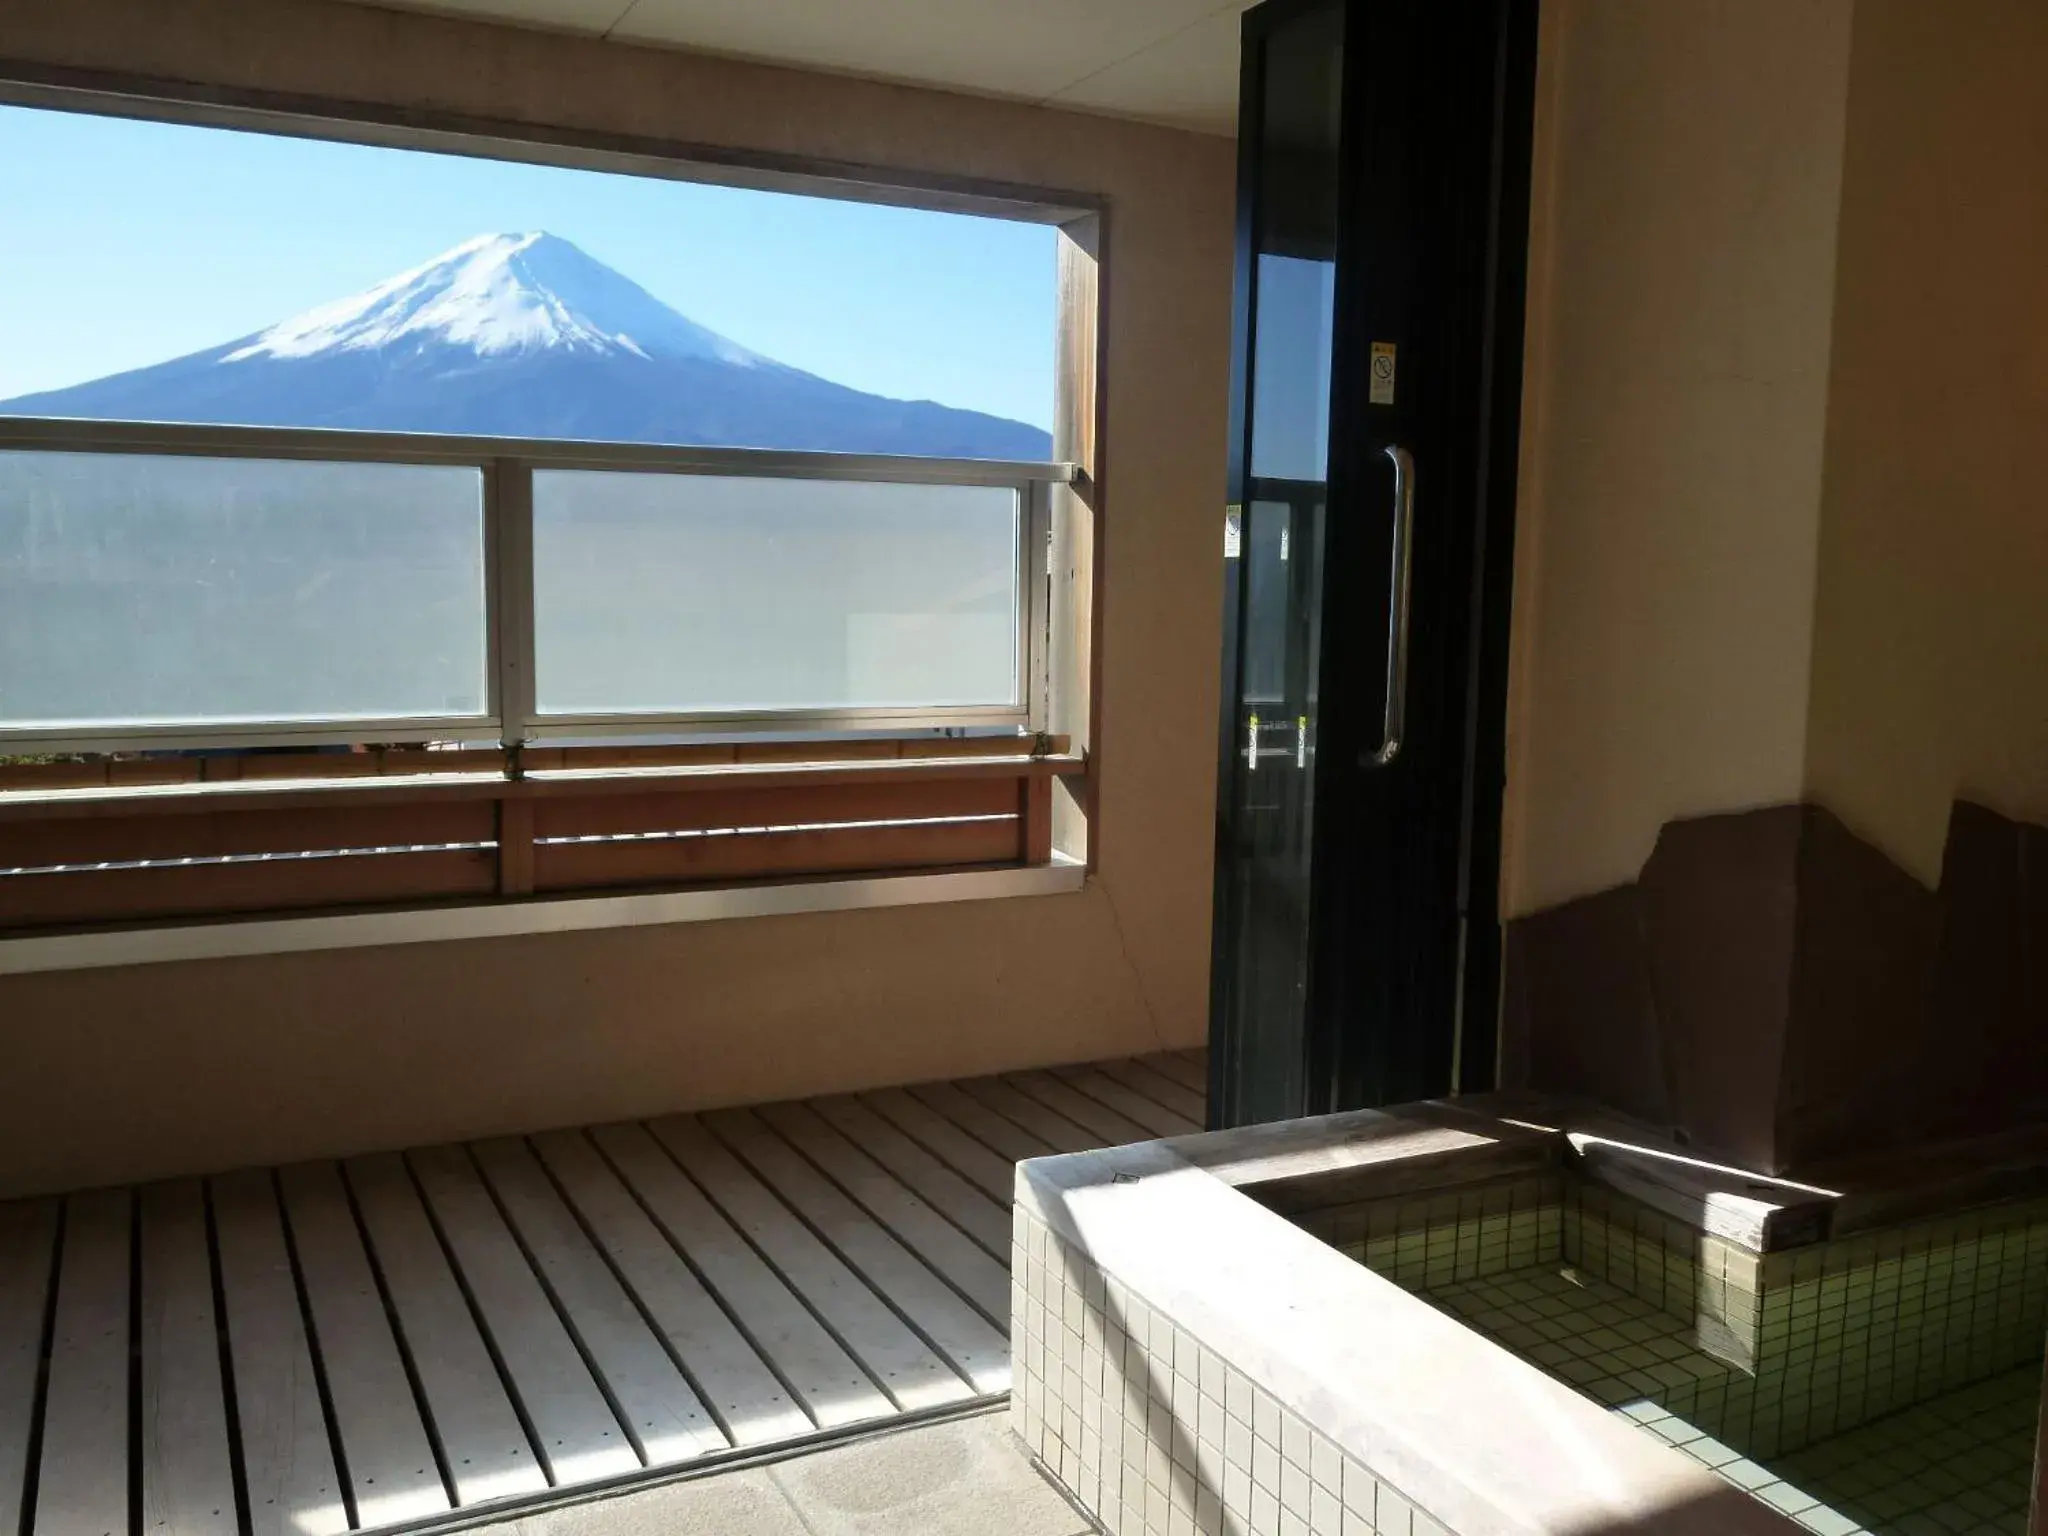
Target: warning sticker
1382, 391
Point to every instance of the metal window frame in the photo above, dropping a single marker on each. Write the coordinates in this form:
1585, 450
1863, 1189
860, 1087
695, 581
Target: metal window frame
507, 466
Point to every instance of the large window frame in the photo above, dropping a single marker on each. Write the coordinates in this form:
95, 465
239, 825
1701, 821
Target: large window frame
811, 845
507, 465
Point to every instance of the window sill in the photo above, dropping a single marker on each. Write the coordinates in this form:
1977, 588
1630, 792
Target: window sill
505, 919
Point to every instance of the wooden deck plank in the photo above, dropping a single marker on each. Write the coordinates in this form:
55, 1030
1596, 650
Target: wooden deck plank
751, 1406
942, 1218
28, 1231
188, 1475
480, 1434
459, 1326
576, 1435
287, 1458
659, 1408
390, 1461
1055, 1129
954, 1326
1098, 1119
994, 1174
1177, 1066
1155, 1117
895, 1357
82, 1482
1007, 1139
822, 1375
1140, 1076
949, 1141
985, 1220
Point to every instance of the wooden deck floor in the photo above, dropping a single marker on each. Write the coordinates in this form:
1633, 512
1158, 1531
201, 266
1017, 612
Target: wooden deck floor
399, 1339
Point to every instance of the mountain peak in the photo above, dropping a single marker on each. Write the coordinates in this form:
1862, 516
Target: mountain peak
496, 294
524, 335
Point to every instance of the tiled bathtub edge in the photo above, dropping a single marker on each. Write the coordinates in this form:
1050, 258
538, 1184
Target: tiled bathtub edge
1188, 1361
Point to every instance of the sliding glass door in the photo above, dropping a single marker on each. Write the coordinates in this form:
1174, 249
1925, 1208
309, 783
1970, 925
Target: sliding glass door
1382, 209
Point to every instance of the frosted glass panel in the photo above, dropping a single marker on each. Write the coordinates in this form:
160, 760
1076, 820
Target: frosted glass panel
657, 593
162, 590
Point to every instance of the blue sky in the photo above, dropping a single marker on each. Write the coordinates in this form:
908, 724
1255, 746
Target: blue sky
125, 243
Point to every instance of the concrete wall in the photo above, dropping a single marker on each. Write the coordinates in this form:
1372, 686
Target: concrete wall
114, 1074
1930, 660
1683, 260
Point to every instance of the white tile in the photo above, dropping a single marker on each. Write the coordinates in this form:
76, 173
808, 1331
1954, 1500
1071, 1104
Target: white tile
1210, 1419
1326, 1464
1360, 1487
1158, 1464
1265, 1516
1266, 1418
1294, 1487
1238, 1396
1266, 1466
1294, 1439
1237, 1441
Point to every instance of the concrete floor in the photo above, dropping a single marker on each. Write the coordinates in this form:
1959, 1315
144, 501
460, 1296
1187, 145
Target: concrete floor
966, 1477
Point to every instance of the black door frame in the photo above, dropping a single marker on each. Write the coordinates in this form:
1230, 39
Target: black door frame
1439, 102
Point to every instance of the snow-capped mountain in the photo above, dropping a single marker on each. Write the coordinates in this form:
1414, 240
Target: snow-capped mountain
526, 336
497, 294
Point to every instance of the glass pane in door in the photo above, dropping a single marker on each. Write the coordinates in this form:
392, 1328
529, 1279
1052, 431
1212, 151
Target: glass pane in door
1273, 613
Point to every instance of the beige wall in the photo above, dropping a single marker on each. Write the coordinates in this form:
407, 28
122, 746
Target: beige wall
122, 1073
1783, 534
1683, 257
1930, 666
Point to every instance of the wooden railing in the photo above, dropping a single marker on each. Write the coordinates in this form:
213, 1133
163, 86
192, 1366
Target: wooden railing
114, 842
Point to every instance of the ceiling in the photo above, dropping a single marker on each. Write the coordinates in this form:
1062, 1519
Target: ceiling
1165, 61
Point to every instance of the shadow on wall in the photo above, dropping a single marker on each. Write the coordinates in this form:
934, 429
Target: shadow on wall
1775, 991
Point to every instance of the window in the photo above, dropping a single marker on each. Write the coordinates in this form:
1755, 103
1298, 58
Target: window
716, 459
383, 525
171, 273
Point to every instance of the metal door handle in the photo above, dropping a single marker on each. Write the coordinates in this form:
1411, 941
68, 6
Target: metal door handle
1395, 721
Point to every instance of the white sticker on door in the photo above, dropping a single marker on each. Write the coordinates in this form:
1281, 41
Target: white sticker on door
1382, 390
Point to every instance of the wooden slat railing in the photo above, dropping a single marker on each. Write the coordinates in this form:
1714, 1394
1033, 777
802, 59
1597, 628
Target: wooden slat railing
289, 833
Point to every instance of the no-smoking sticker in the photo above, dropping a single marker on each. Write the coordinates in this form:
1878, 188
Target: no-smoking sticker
1382, 390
